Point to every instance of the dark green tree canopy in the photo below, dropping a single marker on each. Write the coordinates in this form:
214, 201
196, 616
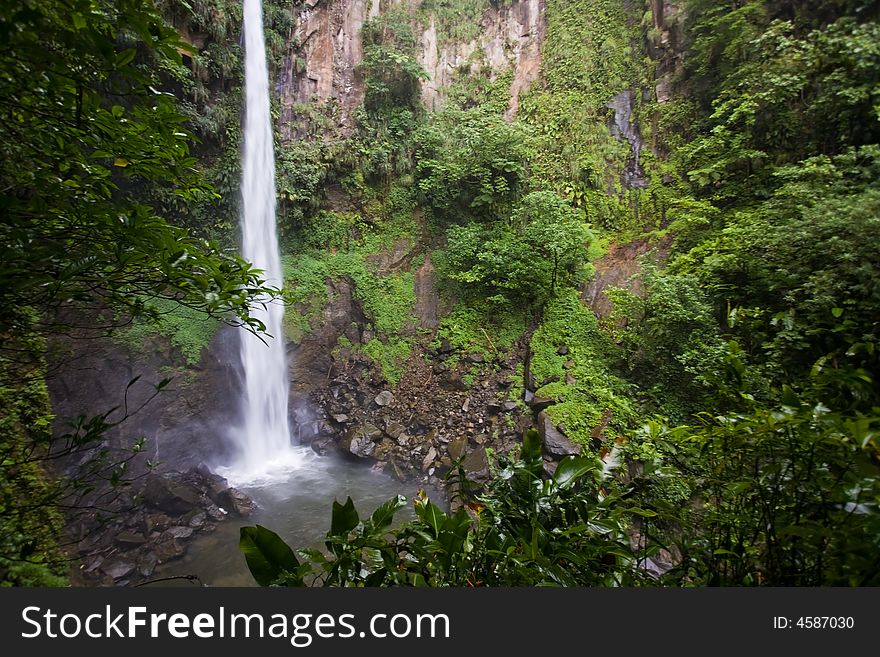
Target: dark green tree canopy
86, 129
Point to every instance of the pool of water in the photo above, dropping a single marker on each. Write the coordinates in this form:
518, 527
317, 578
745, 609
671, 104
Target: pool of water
295, 503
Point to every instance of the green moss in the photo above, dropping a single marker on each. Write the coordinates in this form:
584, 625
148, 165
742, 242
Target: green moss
586, 60
30, 522
457, 21
481, 329
391, 356
352, 249
189, 330
580, 380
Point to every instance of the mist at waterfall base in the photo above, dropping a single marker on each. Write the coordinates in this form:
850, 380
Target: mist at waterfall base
299, 511
264, 451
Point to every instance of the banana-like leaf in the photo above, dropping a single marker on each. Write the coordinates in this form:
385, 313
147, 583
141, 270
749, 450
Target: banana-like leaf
344, 518
267, 556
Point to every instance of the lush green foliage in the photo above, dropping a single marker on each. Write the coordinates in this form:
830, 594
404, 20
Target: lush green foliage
470, 164
570, 365
29, 520
523, 260
90, 138
782, 495
523, 530
73, 228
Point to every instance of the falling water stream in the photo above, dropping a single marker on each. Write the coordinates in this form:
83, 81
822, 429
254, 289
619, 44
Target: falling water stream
263, 442
292, 486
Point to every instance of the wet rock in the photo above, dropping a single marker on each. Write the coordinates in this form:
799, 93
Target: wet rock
118, 568
147, 564
198, 520
384, 398
457, 447
170, 496
556, 444
155, 521
215, 512
429, 459
476, 465
357, 444
379, 466
179, 532
169, 549
372, 432
394, 470
92, 564
230, 499
539, 403
130, 540
240, 504
562, 351
323, 445
403, 440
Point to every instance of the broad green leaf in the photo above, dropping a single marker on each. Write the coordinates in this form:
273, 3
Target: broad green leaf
266, 554
571, 469
383, 516
344, 518
430, 514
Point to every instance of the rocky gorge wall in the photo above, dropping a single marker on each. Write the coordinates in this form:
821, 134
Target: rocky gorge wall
434, 416
326, 52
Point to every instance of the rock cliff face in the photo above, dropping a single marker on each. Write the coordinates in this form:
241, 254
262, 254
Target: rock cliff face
326, 51
510, 39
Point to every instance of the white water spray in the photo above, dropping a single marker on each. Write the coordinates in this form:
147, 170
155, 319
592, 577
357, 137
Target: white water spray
264, 439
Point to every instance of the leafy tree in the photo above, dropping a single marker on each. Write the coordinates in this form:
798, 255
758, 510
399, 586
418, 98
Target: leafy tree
544, 243
470, 165
84, 128
555, 231
783, 495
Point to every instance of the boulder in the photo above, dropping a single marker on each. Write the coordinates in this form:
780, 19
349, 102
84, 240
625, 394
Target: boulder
372, 432
118, 568
476, 465
178, 532
147, 564
457, 447
538, 403
357, 444
429, 459
170, 496
556, 444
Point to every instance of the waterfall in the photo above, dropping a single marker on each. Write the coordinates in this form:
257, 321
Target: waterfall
264, 438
